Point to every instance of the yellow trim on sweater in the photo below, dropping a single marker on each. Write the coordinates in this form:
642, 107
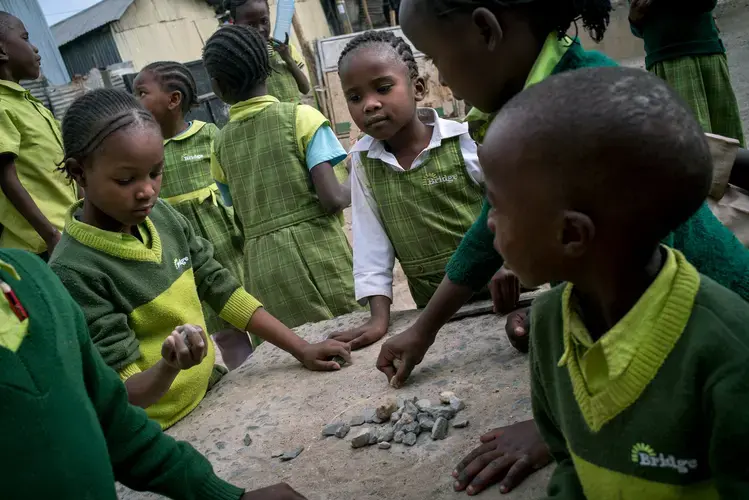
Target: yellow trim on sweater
129, 371
609, 357
598, 482
551, 53
121, 245
654, 347
200, 195
237, 308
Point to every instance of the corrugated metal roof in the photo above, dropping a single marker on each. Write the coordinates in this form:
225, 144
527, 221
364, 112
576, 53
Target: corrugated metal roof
96, 16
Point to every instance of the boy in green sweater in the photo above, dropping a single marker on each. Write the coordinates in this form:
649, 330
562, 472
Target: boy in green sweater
68, 430
639, 364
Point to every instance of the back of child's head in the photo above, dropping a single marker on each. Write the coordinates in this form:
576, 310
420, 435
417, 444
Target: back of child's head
236, 58
175, 77
7, 21
615, 144
385, 41
95, 116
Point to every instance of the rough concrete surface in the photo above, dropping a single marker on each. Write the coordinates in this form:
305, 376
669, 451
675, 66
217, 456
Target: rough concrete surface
282, 406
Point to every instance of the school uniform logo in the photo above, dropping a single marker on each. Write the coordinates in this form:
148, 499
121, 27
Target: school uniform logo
180, 263
433, 179
192, 157
645, 456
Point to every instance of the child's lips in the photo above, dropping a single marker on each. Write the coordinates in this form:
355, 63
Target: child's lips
376, 120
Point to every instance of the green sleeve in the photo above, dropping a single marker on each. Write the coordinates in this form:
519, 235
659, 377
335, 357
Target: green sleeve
714, 250
475, 261
143, 457
107, 324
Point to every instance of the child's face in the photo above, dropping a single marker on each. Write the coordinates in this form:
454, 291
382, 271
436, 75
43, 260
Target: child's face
19, 55
254, 13
380, 94
123, 176
155, 99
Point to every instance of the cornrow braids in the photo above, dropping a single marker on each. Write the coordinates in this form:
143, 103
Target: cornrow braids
95, 116
399, 45
546, 15
232, 5
175, 77
236, 57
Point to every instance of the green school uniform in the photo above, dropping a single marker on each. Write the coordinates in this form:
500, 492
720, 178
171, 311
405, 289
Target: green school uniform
188, 186
298, 261
281, 83
30, 133
425, 212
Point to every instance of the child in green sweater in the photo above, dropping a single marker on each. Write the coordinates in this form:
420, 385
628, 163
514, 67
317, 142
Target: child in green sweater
139, 271
639, 364
168, 90
68, 430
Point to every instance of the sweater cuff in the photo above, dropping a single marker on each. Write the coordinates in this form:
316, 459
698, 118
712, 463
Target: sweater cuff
129, 371
215, 488
240, 308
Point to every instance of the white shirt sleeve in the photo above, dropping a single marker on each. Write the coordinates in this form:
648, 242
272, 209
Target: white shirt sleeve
471, 157
374, 256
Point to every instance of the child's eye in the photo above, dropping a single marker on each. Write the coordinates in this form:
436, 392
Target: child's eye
384, 89
124, 182
157, 174
353, 98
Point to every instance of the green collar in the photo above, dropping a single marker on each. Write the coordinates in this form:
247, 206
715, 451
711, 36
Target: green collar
121, 245
250, 107
667, 306
13, 87
195, 127
4, 266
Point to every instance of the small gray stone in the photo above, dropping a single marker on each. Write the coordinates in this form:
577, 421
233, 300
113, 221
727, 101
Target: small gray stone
369, 415
404, 420
384, 445
247, 440
276, 454
460, 423
427, 424
332, 429
439, 431
386, 410
411, 408
445, 412
457, 404
357, 420
395, 416
424, 416
385, 434
446, 396
339, 359
413, 427
343, 431
373, 437
399, 436
363, 438
410, 439
291, 455
220, 445
423, 404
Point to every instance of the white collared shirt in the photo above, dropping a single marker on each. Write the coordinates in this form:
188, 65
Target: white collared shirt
374, 256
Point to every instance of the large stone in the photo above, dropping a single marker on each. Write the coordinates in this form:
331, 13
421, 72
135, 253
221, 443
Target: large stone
386, 410
369, 415
439, 431
423, 404
343, 431
357, 420
426, 424
457, 404
385, 434
404, 420
410, 408
332, 429
413, 427
410, 439
445, 412
446, 396
398, 437
363, 438
291, 455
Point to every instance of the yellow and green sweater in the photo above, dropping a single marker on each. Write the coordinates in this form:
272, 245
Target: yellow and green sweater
134, 293
658, 407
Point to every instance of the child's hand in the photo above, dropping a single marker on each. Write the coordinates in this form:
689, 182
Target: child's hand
518, 329
505, 290
509, 454
317, 357
185, 347
281, 491
284, 50
400, 355
369, 333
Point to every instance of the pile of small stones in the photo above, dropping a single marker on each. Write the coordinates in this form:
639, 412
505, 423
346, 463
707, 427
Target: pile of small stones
403, 421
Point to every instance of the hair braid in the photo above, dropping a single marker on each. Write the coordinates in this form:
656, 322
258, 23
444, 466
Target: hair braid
95, 116
237, 58
396, 43
175, 77
231, 5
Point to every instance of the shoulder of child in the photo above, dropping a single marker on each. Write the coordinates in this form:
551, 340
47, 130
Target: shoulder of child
719, 317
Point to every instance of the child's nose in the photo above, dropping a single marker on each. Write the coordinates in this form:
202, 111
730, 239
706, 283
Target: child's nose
372, 104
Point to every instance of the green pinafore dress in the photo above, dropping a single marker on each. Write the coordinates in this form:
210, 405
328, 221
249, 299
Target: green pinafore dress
281, 83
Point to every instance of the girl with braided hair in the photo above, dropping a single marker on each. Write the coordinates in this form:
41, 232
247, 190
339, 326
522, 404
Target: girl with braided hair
139, 271
416, 185
168, 91
274, 160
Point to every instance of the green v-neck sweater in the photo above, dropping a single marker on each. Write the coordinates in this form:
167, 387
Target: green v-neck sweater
68, 431
674, 425
703, 239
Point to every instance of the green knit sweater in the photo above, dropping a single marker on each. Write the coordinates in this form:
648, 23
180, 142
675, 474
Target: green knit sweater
68, 430
678, 29
673, 425
707, 244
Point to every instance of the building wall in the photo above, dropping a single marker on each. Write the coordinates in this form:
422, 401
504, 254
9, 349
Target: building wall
312, 18
96, 49
31, 14
155, 30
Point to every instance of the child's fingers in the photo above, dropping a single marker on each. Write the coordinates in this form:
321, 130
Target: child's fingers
339, 349
168, 350
325, 366
196, 343
183, 352
517, 474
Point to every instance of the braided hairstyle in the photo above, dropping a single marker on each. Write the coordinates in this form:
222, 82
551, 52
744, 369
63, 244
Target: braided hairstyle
175, 77
7, 21
95, 116
236, 57
386, 39
545, 15
231, 5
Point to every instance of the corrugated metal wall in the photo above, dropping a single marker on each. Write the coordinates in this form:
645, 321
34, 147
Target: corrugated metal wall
96, 49
32, 16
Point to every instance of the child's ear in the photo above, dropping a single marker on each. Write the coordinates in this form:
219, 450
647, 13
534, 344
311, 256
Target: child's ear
420, 89
3, 53
75, 169
489, 27
175, 100
577, 234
